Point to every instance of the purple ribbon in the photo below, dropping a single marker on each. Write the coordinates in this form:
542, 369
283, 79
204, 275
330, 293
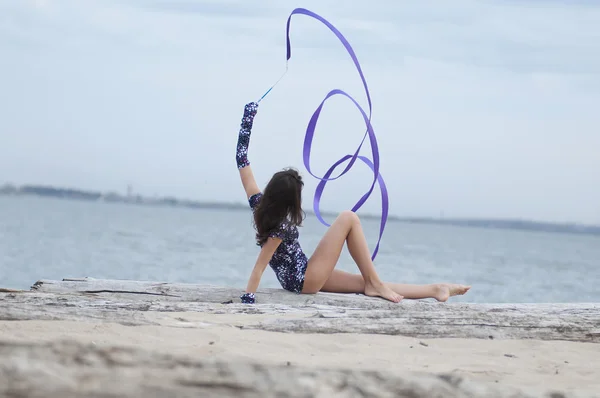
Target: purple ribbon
310, 132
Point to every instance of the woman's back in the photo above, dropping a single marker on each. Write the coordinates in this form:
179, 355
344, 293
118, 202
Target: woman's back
289, 261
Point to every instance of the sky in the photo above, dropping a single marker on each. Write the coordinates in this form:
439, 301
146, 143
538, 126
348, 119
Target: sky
480, 108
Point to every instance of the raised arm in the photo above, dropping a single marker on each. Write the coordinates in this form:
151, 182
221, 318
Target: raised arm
259, 267
241, 156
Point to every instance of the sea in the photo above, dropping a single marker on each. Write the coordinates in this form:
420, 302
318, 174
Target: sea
50, 238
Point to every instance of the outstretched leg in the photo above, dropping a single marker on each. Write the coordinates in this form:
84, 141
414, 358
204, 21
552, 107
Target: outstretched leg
344, 282
346, 228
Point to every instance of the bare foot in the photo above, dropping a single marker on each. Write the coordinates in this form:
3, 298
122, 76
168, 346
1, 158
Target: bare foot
447, 290
382, 290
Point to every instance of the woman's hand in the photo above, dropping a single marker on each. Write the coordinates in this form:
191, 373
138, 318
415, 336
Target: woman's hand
248, 298
250, 109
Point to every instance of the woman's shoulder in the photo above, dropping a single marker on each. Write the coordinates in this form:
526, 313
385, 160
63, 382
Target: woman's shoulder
286, 230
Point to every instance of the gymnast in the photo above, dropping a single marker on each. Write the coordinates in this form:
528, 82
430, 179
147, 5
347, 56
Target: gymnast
277, 214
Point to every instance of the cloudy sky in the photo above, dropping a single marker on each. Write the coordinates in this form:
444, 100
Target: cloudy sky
481, 108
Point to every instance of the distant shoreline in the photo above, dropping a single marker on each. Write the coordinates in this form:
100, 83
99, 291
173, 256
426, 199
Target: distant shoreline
113, 197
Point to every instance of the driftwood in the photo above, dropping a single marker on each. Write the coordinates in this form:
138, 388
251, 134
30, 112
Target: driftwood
67, 369
127, 302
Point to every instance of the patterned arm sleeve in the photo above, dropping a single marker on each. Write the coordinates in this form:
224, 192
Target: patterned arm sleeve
241, 156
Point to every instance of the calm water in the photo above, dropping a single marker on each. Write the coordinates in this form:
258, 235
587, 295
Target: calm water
51, 239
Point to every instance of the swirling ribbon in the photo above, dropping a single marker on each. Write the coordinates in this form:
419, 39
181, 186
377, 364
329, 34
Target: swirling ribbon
312, 124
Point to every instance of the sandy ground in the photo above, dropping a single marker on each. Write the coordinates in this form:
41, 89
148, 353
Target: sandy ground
532, 366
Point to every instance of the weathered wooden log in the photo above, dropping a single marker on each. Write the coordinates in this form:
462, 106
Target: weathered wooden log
204, 293
127, 302
69, 369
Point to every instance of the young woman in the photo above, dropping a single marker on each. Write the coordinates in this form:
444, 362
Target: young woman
277, 215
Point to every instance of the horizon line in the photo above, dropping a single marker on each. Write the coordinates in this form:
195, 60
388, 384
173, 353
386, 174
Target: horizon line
75, 193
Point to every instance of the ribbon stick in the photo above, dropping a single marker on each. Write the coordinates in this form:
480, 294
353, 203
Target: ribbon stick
312, 124
273, 86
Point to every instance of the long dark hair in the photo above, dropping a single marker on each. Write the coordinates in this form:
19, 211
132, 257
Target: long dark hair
282, 198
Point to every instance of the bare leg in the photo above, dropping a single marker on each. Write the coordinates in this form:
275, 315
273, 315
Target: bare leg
344, 282
346, 228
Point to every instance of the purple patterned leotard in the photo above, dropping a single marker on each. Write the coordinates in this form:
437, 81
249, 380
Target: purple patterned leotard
289, 261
